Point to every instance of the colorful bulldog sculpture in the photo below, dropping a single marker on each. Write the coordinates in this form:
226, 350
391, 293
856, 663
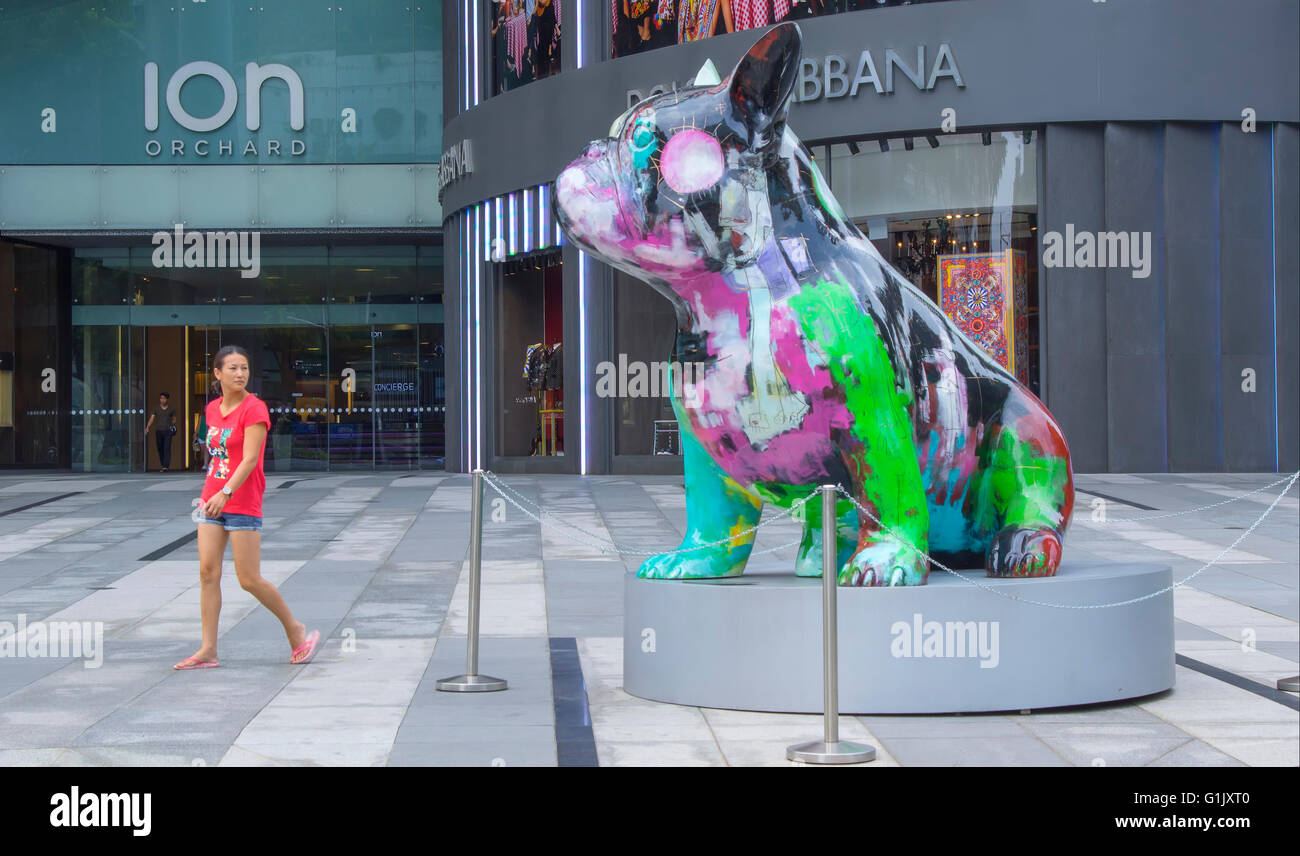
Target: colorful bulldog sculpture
815, 361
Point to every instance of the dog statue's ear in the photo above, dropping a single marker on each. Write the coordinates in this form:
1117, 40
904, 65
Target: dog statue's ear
763, 81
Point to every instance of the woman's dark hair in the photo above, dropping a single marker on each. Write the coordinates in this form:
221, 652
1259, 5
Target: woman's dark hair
228, 350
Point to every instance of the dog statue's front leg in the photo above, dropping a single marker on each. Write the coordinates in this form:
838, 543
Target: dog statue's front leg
717, 507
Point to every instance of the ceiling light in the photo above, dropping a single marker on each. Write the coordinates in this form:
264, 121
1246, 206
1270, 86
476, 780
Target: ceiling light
853, 149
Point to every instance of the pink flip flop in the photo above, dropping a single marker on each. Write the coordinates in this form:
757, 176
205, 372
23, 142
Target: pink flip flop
310, 647
195, 663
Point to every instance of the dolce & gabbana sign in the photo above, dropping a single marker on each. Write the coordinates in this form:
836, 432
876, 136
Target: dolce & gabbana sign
832, 76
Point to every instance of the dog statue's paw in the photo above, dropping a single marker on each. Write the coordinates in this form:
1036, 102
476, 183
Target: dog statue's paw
694, 565
885, 563
1024, 553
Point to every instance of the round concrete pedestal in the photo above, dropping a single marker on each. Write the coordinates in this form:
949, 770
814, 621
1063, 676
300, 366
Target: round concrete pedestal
754, 642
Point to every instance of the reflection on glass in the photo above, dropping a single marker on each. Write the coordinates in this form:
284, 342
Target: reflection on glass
346, 346
935, 206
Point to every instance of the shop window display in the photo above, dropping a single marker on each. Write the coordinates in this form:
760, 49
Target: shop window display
525, 42
641, 25
530, 368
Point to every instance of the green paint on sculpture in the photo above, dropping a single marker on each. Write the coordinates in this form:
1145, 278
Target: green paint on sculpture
859, 365
1018, 485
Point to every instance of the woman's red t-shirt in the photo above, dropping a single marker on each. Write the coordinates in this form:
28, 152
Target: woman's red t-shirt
226, 446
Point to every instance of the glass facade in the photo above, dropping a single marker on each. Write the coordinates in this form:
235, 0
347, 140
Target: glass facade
346, 344
957, 214
31, 357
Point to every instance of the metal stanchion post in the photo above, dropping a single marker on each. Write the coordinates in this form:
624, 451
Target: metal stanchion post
830, 750
472, 681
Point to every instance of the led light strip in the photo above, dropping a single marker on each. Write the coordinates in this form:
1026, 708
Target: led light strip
528, 219
582, 362
514, 225
478, 364
470, 235
543, 220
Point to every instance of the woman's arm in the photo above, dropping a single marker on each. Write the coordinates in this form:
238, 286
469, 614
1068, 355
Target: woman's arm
254, 440
726, 15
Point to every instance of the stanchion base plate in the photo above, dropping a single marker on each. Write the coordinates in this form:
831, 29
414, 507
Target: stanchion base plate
842, 752
1289, 685
471, 684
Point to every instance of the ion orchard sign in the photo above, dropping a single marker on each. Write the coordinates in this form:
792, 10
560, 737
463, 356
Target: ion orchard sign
254, 76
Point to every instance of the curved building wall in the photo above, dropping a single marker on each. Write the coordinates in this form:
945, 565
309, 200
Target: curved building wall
1176, 120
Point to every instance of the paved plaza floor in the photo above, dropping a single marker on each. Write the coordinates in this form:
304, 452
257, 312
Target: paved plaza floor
378, 563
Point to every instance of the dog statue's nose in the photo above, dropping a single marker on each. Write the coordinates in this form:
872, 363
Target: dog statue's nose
595, 150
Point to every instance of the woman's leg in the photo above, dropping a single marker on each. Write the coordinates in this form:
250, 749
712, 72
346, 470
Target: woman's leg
212, 546
246, 547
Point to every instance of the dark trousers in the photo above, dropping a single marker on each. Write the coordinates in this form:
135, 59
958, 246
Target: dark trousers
163, 439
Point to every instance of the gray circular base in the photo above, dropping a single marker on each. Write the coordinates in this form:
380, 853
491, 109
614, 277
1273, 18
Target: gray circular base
754, 642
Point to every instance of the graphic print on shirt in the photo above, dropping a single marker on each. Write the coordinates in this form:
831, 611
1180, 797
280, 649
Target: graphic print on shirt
219, 467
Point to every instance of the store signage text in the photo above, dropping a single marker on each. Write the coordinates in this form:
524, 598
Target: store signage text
457, 162
834, 77
241, 250
254, 76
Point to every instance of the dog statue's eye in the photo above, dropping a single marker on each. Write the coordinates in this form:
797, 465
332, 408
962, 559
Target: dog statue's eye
643, 136
645, 142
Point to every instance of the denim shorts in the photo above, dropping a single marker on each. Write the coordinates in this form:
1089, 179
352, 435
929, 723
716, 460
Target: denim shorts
235, 522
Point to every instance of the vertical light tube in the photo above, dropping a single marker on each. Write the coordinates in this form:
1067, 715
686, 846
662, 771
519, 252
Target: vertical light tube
478, 364
582, 362
470, 236
498, 241
528, 219
478, 29
543, 218
514, 225
464, 14
1272, 239
578, 12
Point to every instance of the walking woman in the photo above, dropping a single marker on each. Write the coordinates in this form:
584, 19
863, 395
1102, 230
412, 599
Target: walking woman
232, 509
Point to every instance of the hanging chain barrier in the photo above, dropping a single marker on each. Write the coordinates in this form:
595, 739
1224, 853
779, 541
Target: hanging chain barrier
1291, 481
513, 497
795, 511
